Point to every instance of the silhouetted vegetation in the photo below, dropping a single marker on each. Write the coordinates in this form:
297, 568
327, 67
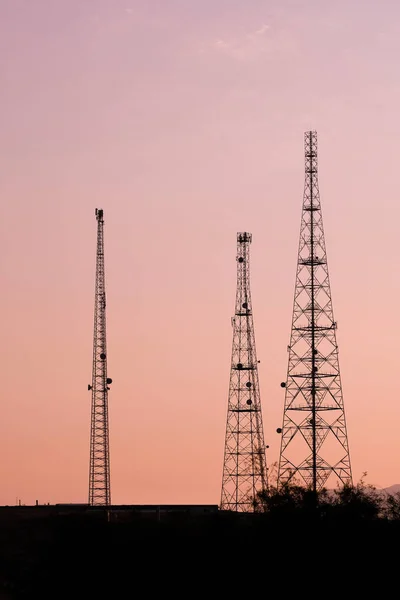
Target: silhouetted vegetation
347, 503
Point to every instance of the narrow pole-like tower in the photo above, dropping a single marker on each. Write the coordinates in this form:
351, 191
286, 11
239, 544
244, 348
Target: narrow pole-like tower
99, 472
245, 470
314, 445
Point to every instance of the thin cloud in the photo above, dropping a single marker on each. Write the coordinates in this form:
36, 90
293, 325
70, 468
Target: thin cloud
262, 30
252, 46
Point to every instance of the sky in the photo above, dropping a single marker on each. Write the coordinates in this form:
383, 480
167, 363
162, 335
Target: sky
183, 120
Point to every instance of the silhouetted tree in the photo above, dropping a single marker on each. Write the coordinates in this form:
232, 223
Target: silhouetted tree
359, 502
392, 506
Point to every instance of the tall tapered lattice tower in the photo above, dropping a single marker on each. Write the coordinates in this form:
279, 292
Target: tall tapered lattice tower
99, 472
314, 445
245, 470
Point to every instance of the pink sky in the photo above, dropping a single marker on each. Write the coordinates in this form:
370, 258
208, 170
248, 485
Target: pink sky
184, 121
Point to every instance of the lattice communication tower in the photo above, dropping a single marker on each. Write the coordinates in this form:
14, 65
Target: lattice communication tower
314, 444
245, 469
99, 472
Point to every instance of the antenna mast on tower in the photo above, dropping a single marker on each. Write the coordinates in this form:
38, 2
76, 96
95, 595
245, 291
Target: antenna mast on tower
245, 469
314, 443
99, 472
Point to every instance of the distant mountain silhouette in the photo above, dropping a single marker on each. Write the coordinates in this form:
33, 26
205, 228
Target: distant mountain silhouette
393, 489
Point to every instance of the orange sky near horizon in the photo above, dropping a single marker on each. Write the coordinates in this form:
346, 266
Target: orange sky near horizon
185, 124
